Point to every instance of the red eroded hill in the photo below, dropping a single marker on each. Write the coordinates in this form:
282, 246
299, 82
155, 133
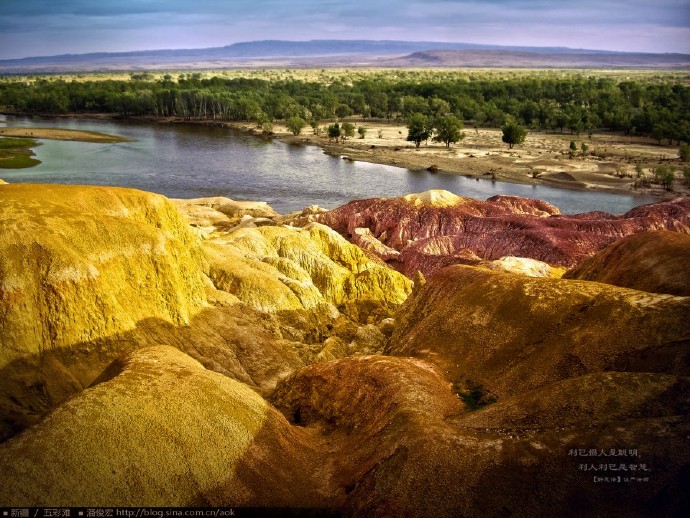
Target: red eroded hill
435, 229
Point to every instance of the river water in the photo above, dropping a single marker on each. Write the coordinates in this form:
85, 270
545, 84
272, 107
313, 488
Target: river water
182, 161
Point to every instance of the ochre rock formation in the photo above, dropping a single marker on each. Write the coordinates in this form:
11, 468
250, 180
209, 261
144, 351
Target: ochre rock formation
513, 333
372, 435
81, 263
435, 229
658, 262
88, 274
239, 376
275, 268
209, 215
156, 429
400, 443
524, 266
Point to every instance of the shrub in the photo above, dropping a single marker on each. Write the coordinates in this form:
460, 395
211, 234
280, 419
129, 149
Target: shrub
296, 124
684, 152
348, 130
573, 149
473, 394
513, 133
668, 178
334, 131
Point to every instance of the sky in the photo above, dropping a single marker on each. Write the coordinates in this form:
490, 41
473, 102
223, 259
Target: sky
50, 27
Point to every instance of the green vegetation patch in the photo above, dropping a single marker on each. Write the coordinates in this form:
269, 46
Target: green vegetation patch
656, 105
15, 153
473, 394
14, 143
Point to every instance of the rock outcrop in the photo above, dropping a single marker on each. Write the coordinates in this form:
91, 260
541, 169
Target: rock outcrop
524, 266
240, 362
88, 274
516, 333
157, 429
400, 442
435, 229
209, 215
282, 268
81, 263
657, 262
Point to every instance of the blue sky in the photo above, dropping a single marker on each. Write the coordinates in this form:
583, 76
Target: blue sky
49, 27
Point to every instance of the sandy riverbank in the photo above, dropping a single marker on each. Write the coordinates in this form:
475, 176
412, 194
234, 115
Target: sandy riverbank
609, 165
62, 134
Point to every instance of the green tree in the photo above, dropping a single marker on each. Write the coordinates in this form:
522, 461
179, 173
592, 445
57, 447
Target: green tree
334, 131
418, 129
438, 106
513, 133
658, 133
668, 178
558, 119
448, 130
684, 152
348, 130
573, 149
343, 110
661, 172
362, 131
296, 124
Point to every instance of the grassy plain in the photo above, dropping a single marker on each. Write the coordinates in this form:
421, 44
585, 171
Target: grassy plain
15, 152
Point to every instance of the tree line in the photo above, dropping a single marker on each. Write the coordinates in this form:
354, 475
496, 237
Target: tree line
573, 104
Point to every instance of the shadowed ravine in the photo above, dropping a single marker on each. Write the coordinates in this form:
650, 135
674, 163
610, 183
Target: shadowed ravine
210, 352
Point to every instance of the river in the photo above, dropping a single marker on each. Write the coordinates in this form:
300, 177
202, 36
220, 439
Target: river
185, 161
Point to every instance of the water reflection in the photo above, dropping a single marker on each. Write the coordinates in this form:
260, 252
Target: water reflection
195, 161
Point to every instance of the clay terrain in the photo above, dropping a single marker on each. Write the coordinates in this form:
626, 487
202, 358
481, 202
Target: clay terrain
430, 355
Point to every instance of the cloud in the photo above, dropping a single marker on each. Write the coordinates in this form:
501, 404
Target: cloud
42, 27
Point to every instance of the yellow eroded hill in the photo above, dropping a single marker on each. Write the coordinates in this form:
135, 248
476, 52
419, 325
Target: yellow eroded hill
81, 263
277, 268
158, 429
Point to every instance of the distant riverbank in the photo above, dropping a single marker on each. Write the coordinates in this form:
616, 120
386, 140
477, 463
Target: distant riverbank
183, 159
608, 165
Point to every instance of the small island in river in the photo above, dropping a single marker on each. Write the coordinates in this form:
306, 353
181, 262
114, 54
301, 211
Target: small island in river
15, 153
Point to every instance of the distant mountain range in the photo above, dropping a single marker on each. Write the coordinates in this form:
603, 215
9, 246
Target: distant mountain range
333, 53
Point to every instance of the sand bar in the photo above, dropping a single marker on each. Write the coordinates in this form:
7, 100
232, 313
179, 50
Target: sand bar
62, 134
